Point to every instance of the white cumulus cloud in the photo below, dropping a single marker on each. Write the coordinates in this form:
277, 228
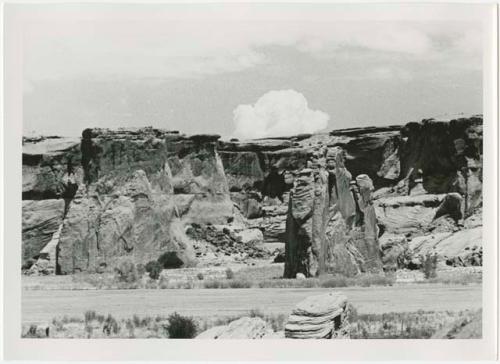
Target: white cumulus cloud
278, 113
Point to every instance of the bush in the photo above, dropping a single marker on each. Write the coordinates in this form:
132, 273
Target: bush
181, 327
90, 316
154, 269
229, 273
89, 330
239, 283
429, 265
200, 276
255, 312
110, 326
129, 325
215, 283
170, 260
126, 272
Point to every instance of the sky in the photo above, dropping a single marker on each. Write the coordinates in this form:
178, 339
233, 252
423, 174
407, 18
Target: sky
247, 72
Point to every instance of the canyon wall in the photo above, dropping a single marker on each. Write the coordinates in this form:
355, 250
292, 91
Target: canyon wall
347, 201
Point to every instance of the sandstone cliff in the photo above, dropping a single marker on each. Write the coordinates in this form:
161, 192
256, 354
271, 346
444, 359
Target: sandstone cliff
352, 200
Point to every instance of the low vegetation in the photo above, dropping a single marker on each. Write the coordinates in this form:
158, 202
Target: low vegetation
393, 325
429, 265
95, 325
180, 327
154, 269
406, 325
150, 276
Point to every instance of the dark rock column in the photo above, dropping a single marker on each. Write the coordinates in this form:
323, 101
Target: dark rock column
298, 234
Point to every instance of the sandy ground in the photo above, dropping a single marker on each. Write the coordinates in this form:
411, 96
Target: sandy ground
42, 306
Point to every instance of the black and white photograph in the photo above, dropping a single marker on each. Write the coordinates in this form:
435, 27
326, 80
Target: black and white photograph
216, 171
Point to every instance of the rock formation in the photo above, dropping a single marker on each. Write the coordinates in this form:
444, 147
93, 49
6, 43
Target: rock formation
344, 201
331, 224
243, 328
40, 221
135, 191
319, 317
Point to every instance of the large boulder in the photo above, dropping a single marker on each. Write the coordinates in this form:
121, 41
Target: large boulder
243, 328
319, 317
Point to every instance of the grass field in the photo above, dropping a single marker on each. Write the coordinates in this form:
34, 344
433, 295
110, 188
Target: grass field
43, 306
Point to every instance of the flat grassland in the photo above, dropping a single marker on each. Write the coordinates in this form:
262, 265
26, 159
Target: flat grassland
43, 305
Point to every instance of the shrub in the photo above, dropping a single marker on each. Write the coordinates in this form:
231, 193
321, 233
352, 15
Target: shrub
277, 321
90, 316
180, 327
100, 318
239, 283
32, 331
129, 324
255, 312
110, 326
429, 265
170, 260
215, 283
229, 273
200, 276
126, 272
89, 330
154, 269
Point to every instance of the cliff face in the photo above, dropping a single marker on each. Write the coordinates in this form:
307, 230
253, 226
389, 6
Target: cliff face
131, 192
342, 202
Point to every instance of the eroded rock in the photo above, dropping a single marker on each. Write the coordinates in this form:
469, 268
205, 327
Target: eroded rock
40, 220
243, 328
319, 317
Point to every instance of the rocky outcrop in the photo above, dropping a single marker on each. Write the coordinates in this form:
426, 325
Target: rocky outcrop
46, 263
372, 151
407, 214
130, 193
134, 191
243, 328
449, 153
319, 317
460, 248
331, 223
47, 162
40, 221
238, 243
